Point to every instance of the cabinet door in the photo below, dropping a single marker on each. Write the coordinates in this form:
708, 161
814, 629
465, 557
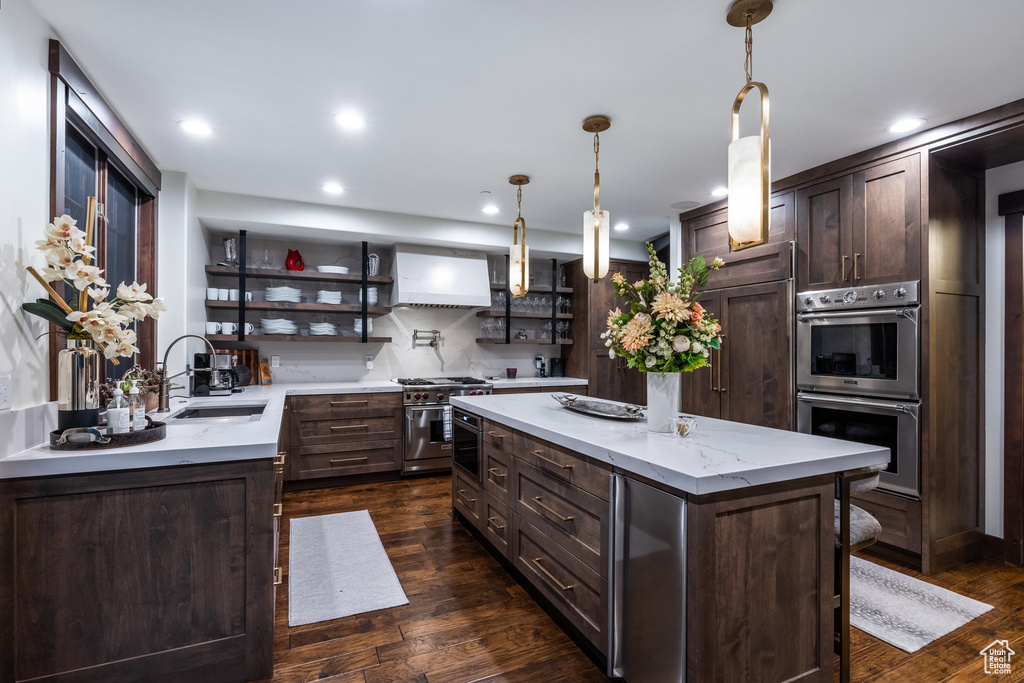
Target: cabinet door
611, 379
700, 392
709, 234
602, 297
754, 364
887, 222
824, 219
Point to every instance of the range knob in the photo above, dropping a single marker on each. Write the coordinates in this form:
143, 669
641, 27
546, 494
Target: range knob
417, 396
879, 294
900, 293
440, 397
824, 298
808, 301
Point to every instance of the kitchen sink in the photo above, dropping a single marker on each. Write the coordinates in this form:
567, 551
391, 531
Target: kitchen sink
221, 414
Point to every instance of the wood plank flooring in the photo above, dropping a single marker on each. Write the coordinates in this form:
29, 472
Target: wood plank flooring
468, 620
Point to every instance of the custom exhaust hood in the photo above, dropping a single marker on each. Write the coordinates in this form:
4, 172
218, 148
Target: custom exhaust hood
438, 277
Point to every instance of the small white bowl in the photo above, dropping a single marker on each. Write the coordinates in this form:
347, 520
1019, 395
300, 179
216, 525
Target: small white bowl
339, 270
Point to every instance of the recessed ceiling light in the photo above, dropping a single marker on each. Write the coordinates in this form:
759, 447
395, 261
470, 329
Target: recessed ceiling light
905, 125
333, 188
195, 127
490, 209
349, 120
720, 192
622, 226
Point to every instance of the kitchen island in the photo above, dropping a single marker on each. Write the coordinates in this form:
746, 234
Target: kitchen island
742, 591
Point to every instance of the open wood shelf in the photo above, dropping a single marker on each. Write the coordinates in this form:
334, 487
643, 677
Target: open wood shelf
308, 275
288, 306
256, 338
536, 316
538, 289
491, 340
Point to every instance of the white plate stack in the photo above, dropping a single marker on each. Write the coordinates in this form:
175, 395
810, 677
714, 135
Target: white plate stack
278, 326
289, 294
371, 296
359, 326
337, 270
323, 330
325, 297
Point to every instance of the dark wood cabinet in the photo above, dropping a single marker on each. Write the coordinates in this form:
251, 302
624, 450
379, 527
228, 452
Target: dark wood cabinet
612, 379
708, 232
749, 378
824, 234
156, 574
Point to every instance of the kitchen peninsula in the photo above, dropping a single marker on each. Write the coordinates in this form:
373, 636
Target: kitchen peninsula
741, 566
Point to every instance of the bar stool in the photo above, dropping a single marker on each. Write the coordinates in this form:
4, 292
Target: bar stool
855, 529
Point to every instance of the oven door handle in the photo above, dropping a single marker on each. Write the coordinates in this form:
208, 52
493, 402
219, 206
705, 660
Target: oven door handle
908, 313
901, 407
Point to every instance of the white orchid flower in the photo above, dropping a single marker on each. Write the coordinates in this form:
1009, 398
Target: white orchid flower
133, 292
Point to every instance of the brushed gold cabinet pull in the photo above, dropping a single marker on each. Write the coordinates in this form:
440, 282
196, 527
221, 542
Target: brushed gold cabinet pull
844, 266
348, 403
721, 388
279, 460
278, 576
499, 527
350, 427
468, 501
536, 499
856, 276
334, 460
553, 462
278, 509
496, 472
536, 561
496, 435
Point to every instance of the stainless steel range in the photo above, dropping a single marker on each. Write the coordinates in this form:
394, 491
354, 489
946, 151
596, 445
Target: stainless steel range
428, 419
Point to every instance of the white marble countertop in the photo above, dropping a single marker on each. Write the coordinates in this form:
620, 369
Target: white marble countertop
538, 382
717, 456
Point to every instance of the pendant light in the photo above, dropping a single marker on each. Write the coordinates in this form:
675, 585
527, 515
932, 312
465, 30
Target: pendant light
596, 222
519, 254
749, 157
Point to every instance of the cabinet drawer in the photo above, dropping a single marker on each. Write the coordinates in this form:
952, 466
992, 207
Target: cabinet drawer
586, 474
337, 459
313, 428
497, 524
498, 473
577, 592
347, 405
498, 435
576, 520
900, 518
467, 497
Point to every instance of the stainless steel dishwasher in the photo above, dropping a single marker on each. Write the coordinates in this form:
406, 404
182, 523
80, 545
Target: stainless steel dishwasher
647, 577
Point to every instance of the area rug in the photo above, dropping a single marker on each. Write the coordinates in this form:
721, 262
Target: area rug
904, 611
337, 567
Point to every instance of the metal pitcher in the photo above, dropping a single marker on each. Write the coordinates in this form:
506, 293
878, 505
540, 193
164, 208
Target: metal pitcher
373, 265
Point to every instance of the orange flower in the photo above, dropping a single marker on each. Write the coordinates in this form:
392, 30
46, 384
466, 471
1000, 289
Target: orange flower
670, 307
637, 334
618, 279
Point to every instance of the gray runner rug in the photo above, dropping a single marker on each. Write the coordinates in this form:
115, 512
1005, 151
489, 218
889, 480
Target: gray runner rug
904, 611
337, 567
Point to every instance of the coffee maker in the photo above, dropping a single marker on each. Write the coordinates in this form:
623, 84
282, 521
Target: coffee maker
208, 380
541, 363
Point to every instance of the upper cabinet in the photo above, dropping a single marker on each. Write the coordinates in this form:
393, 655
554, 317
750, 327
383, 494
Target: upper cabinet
708, 233
861, 229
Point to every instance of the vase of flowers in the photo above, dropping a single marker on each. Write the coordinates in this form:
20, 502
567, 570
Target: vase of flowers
664, 331
93, 322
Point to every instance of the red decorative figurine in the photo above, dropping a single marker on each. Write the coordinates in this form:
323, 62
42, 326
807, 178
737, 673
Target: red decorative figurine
294, 260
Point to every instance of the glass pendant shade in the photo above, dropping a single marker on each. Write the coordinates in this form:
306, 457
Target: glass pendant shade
748, 200
519, 270
595, 262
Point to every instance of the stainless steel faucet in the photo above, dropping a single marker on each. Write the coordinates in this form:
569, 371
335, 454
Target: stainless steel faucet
165, 379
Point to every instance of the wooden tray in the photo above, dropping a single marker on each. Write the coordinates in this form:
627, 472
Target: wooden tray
154, 431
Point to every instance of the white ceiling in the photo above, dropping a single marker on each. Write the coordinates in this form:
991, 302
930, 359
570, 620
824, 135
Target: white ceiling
460, 94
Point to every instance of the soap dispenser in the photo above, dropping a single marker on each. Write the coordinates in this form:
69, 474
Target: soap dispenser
137, 407
118, 418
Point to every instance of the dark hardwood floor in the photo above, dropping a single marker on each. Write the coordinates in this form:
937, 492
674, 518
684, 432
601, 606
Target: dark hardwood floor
468, 620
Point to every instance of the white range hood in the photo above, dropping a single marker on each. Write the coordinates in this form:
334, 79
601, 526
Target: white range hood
439, 277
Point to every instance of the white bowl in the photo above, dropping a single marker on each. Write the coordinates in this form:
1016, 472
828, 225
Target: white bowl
340, 270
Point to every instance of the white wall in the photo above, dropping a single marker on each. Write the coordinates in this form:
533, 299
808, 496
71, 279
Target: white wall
24, 196
998, 181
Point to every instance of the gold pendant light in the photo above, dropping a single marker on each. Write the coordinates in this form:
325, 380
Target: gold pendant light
596, 222
749, 157
519, 254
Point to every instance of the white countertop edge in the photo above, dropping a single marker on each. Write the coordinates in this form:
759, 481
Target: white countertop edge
527, 382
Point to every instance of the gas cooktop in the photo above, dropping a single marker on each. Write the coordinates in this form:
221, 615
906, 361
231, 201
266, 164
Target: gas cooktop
437, 390
434, 381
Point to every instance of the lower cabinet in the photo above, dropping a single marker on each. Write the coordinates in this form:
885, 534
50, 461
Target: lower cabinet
579, 389
156, 574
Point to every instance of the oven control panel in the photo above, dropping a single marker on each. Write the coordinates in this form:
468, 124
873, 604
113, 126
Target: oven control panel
896, 294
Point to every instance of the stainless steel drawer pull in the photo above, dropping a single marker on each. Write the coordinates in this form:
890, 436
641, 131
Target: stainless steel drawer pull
467, 501
536, 562
350, 427
553, 462
278, 509
499, 527
278, 576
348, 403
334, 460
496, 472
536, 499
496, 435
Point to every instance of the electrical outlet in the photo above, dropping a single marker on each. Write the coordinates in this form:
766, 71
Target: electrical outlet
275, 361
5, 393
369, 362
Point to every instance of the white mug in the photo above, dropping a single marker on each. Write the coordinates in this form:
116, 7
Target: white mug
222, 294
249, 328
212, 328
211, 293
233, 294
248, 296
229, 328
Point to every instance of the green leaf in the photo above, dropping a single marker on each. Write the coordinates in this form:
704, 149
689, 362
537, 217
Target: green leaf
51, 313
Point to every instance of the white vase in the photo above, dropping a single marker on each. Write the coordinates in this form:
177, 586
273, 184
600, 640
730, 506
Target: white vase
664, 399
